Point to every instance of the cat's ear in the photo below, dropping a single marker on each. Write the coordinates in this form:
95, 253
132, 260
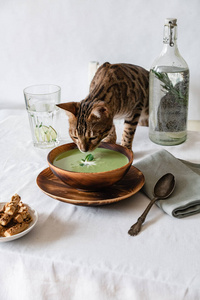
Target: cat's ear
71, 108
99, 111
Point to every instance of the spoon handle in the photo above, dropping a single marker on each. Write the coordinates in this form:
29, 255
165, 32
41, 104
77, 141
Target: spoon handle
135, 228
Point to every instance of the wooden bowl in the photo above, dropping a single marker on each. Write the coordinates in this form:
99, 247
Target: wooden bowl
90, 181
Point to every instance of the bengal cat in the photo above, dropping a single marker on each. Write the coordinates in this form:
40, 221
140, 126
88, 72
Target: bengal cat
116, 91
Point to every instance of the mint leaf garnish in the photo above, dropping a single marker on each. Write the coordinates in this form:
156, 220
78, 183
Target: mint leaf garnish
88, 158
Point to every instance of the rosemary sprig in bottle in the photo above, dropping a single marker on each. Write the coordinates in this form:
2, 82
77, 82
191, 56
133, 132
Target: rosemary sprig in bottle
168, 87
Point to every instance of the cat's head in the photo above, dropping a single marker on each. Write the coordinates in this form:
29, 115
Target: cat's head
89, 123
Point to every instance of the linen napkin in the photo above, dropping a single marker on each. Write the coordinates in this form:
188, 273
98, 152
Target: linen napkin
185, 200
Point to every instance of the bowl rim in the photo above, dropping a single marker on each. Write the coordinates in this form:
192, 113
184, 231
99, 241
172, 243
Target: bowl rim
85, 173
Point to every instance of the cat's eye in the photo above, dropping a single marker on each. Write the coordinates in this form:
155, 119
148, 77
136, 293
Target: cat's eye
75, 137
93, 138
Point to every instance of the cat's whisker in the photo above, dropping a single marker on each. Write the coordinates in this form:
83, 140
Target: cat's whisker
82, 151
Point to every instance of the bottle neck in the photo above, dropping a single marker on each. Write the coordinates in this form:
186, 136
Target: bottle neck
170, 55
170, 34
170, 39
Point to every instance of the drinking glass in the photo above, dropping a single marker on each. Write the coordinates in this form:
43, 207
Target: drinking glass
42, 111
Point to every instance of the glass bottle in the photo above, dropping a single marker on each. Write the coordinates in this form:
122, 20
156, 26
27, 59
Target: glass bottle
168, 92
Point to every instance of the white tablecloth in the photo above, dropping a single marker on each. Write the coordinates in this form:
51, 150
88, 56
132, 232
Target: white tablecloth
77, 252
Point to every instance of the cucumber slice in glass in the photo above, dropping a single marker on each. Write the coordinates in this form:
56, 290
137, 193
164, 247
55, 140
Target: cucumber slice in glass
45, 134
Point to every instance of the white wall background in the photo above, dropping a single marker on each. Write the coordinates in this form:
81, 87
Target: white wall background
52, 41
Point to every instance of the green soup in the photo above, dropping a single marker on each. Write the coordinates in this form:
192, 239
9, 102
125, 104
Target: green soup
102, 160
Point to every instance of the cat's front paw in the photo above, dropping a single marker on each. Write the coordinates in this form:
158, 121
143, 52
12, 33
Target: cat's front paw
129, 146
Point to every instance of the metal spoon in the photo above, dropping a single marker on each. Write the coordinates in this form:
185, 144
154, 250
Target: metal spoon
162, 190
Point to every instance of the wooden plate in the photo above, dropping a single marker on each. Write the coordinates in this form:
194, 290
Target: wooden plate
51, 185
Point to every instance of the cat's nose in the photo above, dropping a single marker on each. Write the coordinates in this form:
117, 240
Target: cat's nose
84, 148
